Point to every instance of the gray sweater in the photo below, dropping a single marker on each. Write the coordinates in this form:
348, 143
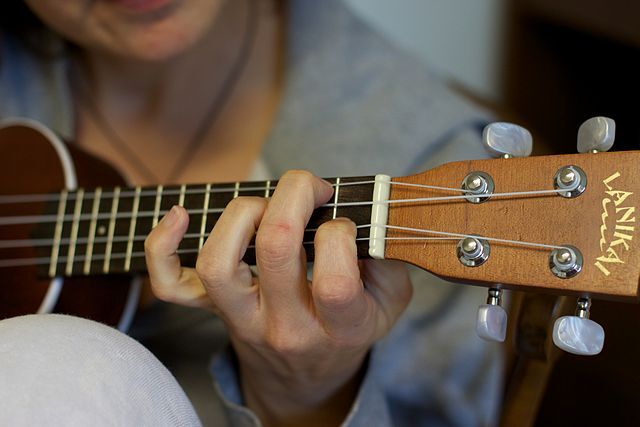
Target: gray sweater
353, 105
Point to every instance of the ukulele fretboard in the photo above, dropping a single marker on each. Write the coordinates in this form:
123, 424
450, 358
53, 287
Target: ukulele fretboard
102, 231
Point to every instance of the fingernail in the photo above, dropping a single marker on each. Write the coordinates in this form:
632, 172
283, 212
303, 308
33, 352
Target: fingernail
327, 183
171, 217
348, 222
345, 219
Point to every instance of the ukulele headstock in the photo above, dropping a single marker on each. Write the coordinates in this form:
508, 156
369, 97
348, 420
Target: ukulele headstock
596, 222
563, 224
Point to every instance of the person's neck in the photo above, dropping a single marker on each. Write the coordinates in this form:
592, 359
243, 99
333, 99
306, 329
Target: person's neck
167, 91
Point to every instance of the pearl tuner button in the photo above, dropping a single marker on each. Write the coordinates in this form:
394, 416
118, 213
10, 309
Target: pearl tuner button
503, 139
491, 323
578, 334
596, 134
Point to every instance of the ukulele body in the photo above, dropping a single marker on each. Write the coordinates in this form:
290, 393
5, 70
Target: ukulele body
33, 160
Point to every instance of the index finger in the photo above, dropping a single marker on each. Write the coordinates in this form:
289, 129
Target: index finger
169, 280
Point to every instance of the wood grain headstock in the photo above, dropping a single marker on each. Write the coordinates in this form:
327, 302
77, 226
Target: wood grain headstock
601, 223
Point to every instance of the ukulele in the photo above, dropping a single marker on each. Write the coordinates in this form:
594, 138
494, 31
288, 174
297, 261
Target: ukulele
562, 224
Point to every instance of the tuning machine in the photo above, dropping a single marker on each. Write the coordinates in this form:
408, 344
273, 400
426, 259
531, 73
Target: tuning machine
491, 322
507, 140
478, 187
504, 140
565, 262
501, 139
578, 334
596, 135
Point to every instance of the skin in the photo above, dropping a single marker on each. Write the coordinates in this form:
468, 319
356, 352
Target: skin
141, 89
301, 345
103, 27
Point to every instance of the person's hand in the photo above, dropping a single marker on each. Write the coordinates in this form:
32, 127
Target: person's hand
300, 345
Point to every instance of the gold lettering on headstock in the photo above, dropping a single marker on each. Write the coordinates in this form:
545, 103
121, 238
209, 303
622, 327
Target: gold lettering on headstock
616, 233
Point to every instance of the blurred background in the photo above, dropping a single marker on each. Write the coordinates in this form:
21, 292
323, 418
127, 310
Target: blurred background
548, 65
463, 39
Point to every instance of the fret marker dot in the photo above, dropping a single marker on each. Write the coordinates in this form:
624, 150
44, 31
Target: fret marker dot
102, 230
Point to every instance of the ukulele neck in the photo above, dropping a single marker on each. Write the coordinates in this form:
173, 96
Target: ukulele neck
102, 231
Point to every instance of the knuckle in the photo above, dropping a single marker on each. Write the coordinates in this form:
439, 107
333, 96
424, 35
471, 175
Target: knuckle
163, 293
211, 272
235, 205
302, 181
277, 243
336, 292
299, 175
151, 243
244, 203
287, 345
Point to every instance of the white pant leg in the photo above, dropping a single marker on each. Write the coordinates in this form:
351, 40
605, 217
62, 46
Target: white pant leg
63, 370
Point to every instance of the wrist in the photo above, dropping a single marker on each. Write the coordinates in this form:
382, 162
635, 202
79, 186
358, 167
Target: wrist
299, 397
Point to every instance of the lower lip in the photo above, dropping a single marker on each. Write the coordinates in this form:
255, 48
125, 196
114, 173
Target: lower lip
140, 6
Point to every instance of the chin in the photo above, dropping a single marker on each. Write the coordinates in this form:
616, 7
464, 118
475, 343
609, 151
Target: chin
166, 35
150, 30
157, 46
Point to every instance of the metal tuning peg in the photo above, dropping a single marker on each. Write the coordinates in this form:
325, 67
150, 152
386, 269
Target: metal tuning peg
578, 334
491, 323
506, 140
596, 134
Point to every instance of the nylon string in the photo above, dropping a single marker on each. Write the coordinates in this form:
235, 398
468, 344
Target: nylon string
5, 244
439, 235
32, 219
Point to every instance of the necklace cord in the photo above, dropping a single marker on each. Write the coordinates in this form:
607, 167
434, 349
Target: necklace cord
228, 85
219, 102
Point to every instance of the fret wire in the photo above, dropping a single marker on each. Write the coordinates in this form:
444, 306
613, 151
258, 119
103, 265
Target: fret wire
132, 229
236, 191
183, 188
266, 189
156, 209
62, 205
74, 231
335, 200
203, 223
92, 230
112, 227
